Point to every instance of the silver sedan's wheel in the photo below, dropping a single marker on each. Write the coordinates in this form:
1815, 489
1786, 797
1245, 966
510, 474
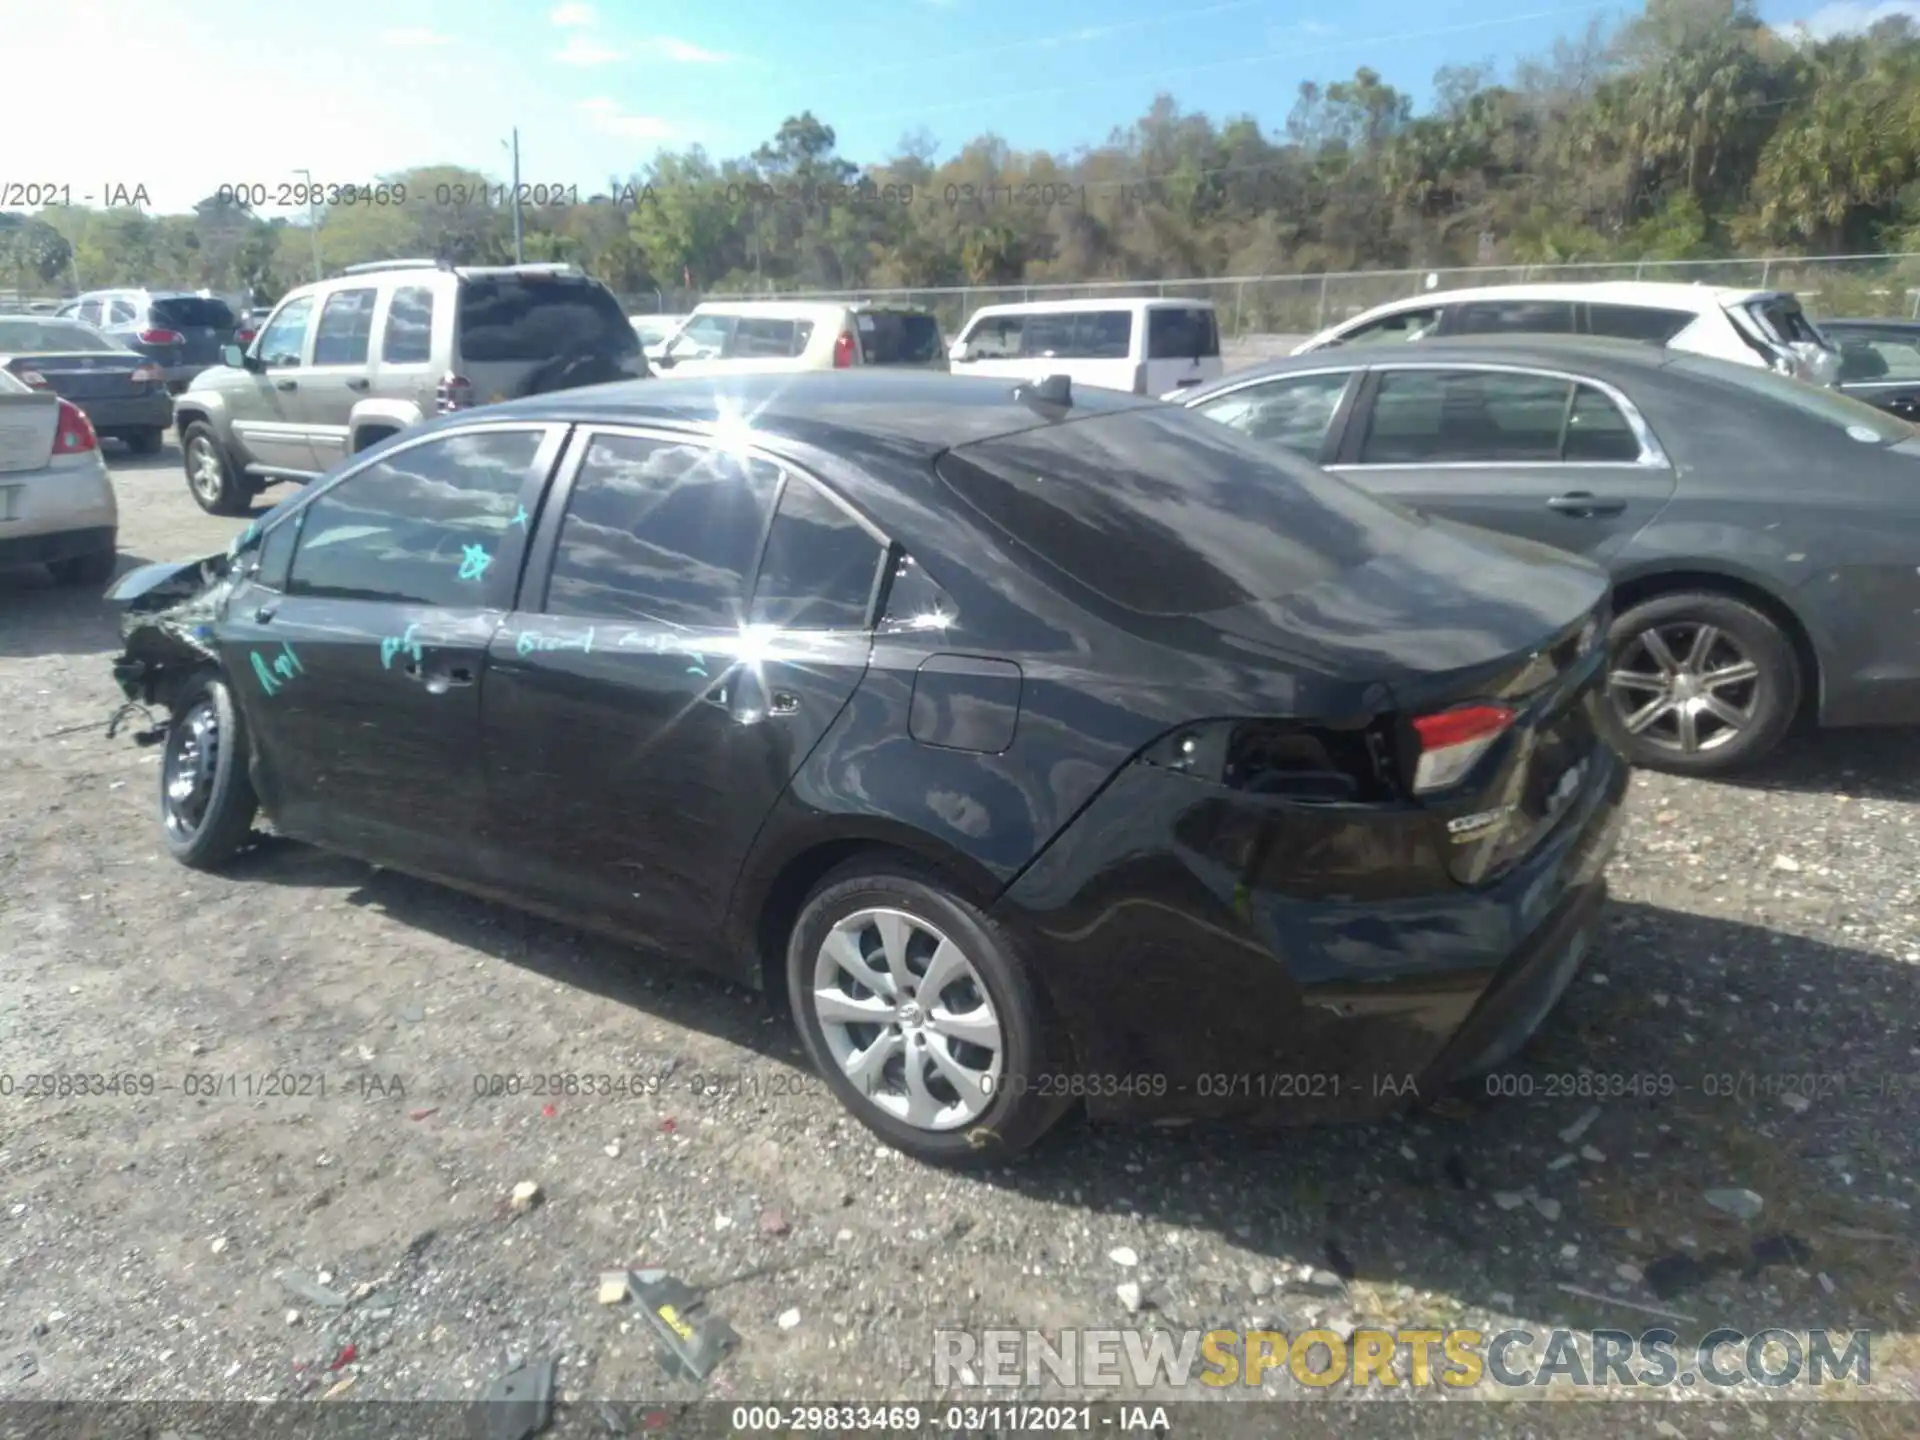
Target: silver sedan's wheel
1687, 687
907, 1019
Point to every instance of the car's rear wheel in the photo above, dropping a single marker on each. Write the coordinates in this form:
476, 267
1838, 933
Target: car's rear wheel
94, 568
147, 441
1699, 683
914, 1006
215, 481
207, 802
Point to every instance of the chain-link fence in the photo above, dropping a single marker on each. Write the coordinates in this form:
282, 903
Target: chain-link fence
1884, 285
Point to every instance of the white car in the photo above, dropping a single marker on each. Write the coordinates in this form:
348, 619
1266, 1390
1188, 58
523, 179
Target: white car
1145, 347
56, 500
724, 337
655, 331
1750, 327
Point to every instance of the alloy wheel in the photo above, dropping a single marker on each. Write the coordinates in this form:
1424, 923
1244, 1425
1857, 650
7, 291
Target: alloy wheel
908, 1019
1685, 686
204, 470
192, 763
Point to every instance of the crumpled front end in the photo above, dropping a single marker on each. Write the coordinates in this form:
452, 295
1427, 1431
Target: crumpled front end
167, 617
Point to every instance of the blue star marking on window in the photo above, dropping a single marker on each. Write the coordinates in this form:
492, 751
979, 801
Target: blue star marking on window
519, 516
474, 561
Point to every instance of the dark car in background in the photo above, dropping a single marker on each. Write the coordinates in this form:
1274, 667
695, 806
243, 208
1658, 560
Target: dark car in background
1763, 533
181, 333
122, 393
1011, 735
1880, 362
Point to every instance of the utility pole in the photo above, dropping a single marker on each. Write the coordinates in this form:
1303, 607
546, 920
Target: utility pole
313, 222
519, 249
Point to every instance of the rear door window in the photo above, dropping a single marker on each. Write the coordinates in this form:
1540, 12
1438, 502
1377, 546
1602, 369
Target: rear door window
661, 531
1182, 334
821, 566
758, 338
531, 317
345, 328
1163, 512
1445, 416
1080, 335
898, 337
1514, 317
1637, 322
1879, 355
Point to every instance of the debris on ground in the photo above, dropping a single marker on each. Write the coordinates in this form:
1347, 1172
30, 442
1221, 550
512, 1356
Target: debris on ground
518, 1404
1676, 1274
1125, 1257
613, 1287
1130, 1297
525, 1196
696, 1338
788, 1319
1596, 1296
773, 1221
1341, 1262
1580, 1126
1776, 1248
311, 1290
1741, 1204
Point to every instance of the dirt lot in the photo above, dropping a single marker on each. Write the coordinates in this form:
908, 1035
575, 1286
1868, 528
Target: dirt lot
1763, 954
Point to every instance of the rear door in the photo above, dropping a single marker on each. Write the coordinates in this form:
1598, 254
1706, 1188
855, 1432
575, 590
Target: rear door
205, 326
647, 704
336, 378
359, 672
991, 345
1183, 347
531, 332
1537, 454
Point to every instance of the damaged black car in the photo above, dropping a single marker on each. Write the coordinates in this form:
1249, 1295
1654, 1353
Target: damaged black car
1043, 748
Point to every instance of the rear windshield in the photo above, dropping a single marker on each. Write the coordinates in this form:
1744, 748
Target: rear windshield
1862, 421
49, 337
898, 337
1164, 512
1182, 334
1781, 319
539, 317
190, 312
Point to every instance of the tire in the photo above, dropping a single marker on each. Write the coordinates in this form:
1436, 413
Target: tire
205, 826
1015, 1113
213, 479
95, 568
1741, 640
148, 441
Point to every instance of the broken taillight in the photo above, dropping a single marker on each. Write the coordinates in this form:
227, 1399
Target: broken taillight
1452, 742
455, 392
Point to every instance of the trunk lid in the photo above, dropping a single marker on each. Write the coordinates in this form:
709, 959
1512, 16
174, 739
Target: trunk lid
28, 421
92, 376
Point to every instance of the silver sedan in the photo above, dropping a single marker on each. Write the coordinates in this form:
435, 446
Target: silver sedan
56, 500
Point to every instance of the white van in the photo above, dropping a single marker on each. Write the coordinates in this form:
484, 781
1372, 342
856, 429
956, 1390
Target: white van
1148, 347
728, 337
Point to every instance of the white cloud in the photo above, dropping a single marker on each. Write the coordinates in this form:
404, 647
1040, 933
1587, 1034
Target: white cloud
411, 37
609, 119
1851, 17
580, 50
573, 17
683, 52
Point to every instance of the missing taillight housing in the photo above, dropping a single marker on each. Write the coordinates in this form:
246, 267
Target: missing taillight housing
1452, 742
1287, 760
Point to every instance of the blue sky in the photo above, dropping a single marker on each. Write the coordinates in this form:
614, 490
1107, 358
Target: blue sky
205, 92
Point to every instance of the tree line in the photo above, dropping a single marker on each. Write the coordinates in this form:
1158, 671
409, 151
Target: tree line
1691, 130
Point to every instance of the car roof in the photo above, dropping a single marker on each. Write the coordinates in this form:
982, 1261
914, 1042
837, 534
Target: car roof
1657, 294
1117, 302
924, 411
1604, 359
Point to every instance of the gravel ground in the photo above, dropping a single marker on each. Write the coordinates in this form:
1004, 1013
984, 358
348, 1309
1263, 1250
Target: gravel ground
1760, 968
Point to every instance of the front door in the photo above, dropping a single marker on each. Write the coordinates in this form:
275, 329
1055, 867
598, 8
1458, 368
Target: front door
1536, 455
360, 673
266, 417
645, 708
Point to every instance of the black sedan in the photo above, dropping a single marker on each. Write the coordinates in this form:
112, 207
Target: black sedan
1042, 746
1880, 362
123, 394
1763, 534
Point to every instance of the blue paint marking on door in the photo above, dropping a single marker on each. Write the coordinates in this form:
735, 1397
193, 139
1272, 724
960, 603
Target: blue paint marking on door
274, 674
394, 644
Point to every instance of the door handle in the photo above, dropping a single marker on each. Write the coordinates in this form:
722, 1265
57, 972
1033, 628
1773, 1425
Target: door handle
357, 383
286, 385
1585, 503
265, 613
438, 676
783, 702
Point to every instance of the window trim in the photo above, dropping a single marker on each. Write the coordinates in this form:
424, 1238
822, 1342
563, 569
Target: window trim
1336, 423
537, 572
1653, 455
882, 570
539, 474
310, 296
